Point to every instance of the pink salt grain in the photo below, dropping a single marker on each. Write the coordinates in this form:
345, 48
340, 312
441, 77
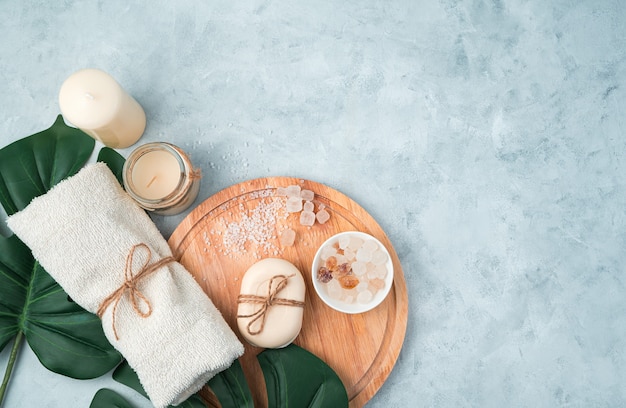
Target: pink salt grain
287, 237
307, 218
294, 204
308, 206
322, 216
293, 191
307, 195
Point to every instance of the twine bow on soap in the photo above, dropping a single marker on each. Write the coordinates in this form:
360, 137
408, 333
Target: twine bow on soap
267, 301
130, 284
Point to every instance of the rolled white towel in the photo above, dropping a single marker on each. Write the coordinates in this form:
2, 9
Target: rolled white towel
95, 241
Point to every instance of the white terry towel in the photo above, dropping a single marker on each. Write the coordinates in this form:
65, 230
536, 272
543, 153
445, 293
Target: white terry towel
82, 232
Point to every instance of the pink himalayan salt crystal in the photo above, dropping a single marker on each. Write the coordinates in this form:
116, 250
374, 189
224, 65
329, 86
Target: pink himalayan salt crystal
287, 237
343, 241
376, 284
308, 206
341, 259
380, 271
281, 191
355, 243
334, 289
322, 216
364, 296
379, 257
350, 256
359, 268
294, 204
307, 195
327, 252
307, 218
370, 246
363, 254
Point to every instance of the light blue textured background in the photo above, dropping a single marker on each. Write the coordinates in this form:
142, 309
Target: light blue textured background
485, 136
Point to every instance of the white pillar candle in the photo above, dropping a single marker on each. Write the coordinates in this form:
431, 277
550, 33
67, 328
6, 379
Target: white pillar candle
95, 103
160, 177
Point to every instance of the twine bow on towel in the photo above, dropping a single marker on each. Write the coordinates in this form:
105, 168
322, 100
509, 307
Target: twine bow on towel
130, 283
266, 302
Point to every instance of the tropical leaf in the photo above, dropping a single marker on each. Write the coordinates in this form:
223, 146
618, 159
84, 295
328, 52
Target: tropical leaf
106, 398
113, 160
295, 377
29, 167
124, 374
231, 388
67, 339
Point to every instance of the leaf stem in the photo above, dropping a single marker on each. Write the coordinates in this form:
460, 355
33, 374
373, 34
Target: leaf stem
9, 369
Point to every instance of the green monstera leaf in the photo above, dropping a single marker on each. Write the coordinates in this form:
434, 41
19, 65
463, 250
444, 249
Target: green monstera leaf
293, 376
124, 374
297, 378
29, 167
67, 339
106, 398
113, 160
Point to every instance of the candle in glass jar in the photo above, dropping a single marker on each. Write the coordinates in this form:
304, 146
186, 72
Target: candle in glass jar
94, 102
160, 177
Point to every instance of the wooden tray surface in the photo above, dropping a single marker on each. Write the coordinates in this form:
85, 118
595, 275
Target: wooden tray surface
221, 238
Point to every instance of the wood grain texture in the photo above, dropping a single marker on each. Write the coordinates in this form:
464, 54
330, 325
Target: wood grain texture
362, 348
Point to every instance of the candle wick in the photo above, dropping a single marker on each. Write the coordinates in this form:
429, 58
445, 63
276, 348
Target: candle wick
88, 95
151, 181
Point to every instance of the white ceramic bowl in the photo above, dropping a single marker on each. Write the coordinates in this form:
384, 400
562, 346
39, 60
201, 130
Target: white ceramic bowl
338, 304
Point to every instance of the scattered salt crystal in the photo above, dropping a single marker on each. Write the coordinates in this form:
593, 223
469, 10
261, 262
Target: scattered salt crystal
343, 241
379, 257
349, 299
321, 207
281, 191
293, 191
359, 268
294, 204
307, 195
322, 216
307, 218
364, 296
308, 206
287, 237
363, 255
256, 227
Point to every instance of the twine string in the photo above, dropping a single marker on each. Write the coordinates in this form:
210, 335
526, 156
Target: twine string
131, 280
195, 174
266, 302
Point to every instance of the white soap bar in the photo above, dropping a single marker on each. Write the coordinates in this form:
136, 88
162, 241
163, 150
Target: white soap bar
275, 323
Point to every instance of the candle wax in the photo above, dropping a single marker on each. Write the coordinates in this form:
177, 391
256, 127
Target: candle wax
156, 174
94, 102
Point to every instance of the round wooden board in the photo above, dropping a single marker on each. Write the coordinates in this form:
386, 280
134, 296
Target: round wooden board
216, 243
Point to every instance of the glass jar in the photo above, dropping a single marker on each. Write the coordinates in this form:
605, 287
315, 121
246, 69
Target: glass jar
160, 178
